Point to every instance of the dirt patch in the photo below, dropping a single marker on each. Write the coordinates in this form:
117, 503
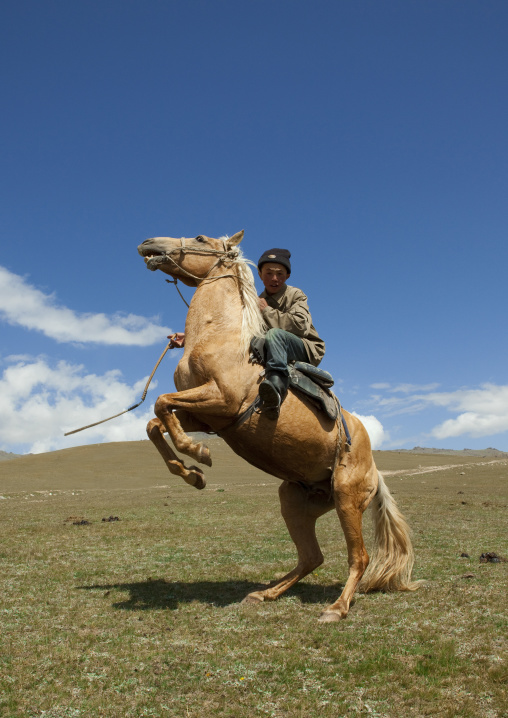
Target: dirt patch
440, 467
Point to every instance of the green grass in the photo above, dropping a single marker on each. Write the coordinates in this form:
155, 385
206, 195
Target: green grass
142, 617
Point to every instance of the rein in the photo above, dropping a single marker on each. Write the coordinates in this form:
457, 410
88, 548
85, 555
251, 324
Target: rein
174, 281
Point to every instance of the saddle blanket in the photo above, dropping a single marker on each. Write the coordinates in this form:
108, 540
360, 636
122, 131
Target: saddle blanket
315, 384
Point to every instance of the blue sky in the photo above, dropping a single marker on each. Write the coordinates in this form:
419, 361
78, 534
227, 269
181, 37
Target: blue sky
368, 137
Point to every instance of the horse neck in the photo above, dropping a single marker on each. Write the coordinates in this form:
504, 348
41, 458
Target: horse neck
216, 305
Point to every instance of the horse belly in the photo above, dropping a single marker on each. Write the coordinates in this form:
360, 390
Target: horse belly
300, 446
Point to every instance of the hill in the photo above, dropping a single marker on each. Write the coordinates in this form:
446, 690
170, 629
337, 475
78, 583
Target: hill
137, 464
6, 455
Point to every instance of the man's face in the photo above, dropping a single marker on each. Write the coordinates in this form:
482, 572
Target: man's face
273, 275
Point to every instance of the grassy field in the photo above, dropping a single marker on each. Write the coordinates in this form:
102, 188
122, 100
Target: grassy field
142, 616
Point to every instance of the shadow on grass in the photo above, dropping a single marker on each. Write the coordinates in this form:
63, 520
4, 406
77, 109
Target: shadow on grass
159, 594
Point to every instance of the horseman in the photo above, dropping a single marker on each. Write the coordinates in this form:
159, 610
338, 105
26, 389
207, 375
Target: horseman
291, 334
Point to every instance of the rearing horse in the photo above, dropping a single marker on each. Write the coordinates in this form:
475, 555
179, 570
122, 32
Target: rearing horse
216, 382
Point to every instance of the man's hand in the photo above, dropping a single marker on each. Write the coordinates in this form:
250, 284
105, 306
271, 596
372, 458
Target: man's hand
177, 340
262, 303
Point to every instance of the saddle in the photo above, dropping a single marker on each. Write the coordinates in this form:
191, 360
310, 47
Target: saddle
306, 379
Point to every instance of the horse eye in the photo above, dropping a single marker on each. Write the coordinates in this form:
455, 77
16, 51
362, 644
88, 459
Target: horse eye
200, 238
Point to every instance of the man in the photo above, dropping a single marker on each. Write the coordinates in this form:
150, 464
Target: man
291, 335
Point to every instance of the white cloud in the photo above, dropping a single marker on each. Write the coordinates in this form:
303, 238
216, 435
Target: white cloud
480, 411
40, 402
23, 305
404, 388
483, 411
375, 429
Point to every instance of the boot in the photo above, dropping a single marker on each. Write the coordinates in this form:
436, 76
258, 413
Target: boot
273, 392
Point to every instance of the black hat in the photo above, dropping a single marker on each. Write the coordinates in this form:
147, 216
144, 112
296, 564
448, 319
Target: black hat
281, 256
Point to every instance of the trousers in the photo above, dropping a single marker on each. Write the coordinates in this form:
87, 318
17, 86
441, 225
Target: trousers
281, 348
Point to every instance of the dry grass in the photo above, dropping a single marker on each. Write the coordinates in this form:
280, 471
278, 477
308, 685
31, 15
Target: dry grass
142, 616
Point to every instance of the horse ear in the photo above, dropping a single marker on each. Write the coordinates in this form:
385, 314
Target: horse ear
235, 239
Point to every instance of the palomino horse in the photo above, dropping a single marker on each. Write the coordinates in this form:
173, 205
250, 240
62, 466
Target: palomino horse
216, 383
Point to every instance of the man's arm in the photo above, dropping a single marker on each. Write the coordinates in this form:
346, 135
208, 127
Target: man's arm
296, 319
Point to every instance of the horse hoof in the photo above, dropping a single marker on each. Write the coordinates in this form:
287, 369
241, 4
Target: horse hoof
204, 455
196, 478
252, 599
330, 617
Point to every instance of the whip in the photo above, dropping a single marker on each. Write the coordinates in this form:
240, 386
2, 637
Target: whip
89, 426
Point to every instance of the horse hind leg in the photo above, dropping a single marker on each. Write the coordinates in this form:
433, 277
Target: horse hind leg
350, 505
300, 509
192, 475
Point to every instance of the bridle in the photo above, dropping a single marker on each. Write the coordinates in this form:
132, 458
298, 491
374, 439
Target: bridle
222, 255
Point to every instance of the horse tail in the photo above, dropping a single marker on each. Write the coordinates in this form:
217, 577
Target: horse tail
392, 559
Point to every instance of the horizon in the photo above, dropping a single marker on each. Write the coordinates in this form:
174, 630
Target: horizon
415, 449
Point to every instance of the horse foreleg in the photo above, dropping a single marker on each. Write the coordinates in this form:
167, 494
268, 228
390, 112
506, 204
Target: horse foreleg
300, 507
205, 399
353, 490
193, 475
184, 443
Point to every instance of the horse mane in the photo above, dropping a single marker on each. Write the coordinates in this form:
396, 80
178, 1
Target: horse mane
252, 319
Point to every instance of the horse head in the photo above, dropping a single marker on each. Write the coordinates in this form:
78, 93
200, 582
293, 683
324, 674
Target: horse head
189, 260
